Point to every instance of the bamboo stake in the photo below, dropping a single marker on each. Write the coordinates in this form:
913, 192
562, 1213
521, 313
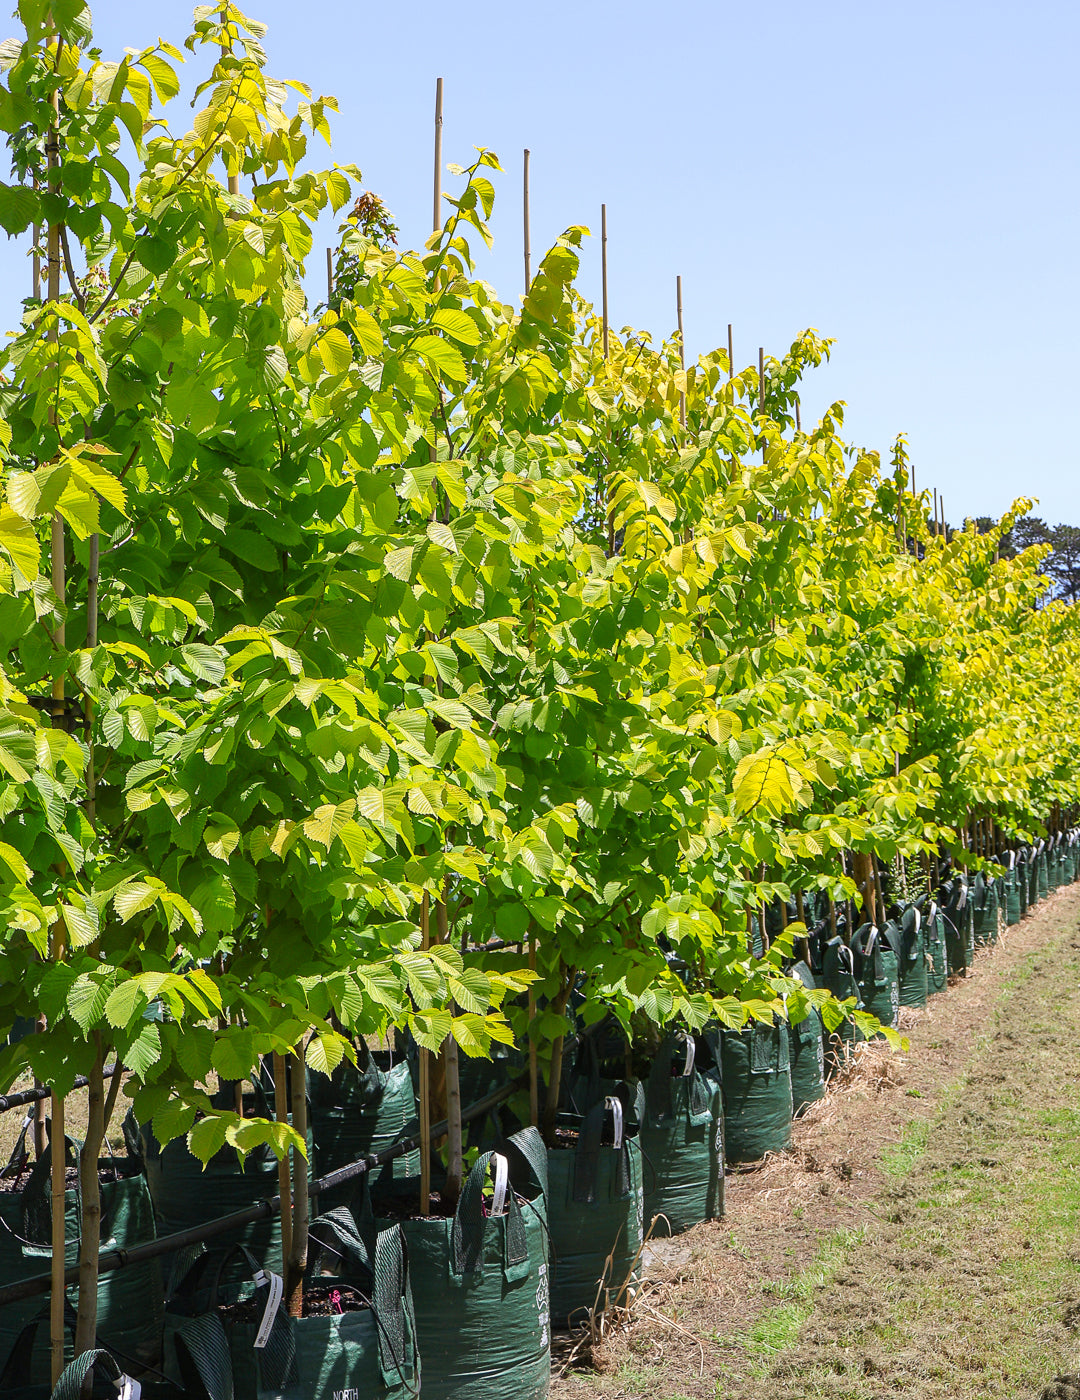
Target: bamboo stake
603, 273
935, 511
761, 379
329, 275
534, 1075
730, 353
296, 1260
57, 545
281, 1113
525, 220
682, 352
798, 418
90, 1196
436, 208
41, 1106
425, 1087
226, 47
455, 1165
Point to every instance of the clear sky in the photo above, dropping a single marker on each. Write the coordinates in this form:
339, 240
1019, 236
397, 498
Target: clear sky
901, 177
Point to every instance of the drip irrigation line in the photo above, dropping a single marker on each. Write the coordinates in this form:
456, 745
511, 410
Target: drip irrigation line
266, 1209
36, 1095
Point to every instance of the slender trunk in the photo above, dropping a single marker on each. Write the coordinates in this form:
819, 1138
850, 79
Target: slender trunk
425, 1087
281, 1112
90, 1193
534, 1070
864, 881
551, 1107
455, 1145
296, 1261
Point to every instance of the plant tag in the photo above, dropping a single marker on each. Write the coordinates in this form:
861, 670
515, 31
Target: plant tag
502, 1183
871, 939
1012, 859
918, 921
277, 1287
615, 1105
129, 1389
963, 898
691, 1051
933, 911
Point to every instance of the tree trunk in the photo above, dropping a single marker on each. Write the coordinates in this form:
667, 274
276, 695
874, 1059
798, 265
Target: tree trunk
281, 1112
455, 1145
296, 1262
551, 1107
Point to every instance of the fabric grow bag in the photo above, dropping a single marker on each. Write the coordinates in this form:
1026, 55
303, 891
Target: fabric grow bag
356, 1112
1011, 891
186, 1194
914, 987
807, 1042
480, 1285
681, 1136
15, 1384
595, 1210
984, 911
937, 957
838, 975
956, 914
1042, 873
877, 968
130, 1301
368, 1353
756, 1074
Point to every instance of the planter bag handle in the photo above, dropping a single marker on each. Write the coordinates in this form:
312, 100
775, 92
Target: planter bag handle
526, 1149
202, 1354
70, 1384
470, 1224
16, 1373
394, 1309
37, 1198
587, 1157
20, 1154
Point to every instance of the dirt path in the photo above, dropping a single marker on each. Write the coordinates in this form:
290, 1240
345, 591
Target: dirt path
923, 1238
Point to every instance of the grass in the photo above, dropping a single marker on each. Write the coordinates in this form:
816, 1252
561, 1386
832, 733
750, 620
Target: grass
898, 1160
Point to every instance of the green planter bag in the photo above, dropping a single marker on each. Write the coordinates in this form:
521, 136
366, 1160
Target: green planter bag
358, 1111
756, 1074
914, 986
130, 1301
14, 1385
186, 1194
838, 975
361, 1341
1012, 884
937, 971
984, 911
877, 968
957, 920
480, 1283
682, 1141
1042, 871
595, 1210
807, 1040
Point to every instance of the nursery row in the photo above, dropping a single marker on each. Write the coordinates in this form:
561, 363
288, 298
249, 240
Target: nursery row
461, 1303
416, 669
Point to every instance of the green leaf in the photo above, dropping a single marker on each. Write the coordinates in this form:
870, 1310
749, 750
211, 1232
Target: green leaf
124, 1003
335, 350
325, 1052
441, 357
458, 324
20, 206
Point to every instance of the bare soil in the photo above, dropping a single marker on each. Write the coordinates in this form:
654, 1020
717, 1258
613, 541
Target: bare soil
921, 1238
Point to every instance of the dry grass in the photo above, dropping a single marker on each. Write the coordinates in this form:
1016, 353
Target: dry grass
916, 1239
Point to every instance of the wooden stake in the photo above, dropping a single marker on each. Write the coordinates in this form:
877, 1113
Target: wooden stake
90, 1200
281, 1113
296, 1260
534, 1074
603, 273
59, 1154
682, 351
425, 1087
329, 274
761, 379
730, 353
455, 1163
525, 220
798, 418
436, 208
226, 47
935, 511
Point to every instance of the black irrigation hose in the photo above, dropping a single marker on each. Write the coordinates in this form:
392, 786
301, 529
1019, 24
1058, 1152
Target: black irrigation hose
264, 1210
36, 1095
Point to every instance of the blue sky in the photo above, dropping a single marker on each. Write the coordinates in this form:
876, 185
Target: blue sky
901, 177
